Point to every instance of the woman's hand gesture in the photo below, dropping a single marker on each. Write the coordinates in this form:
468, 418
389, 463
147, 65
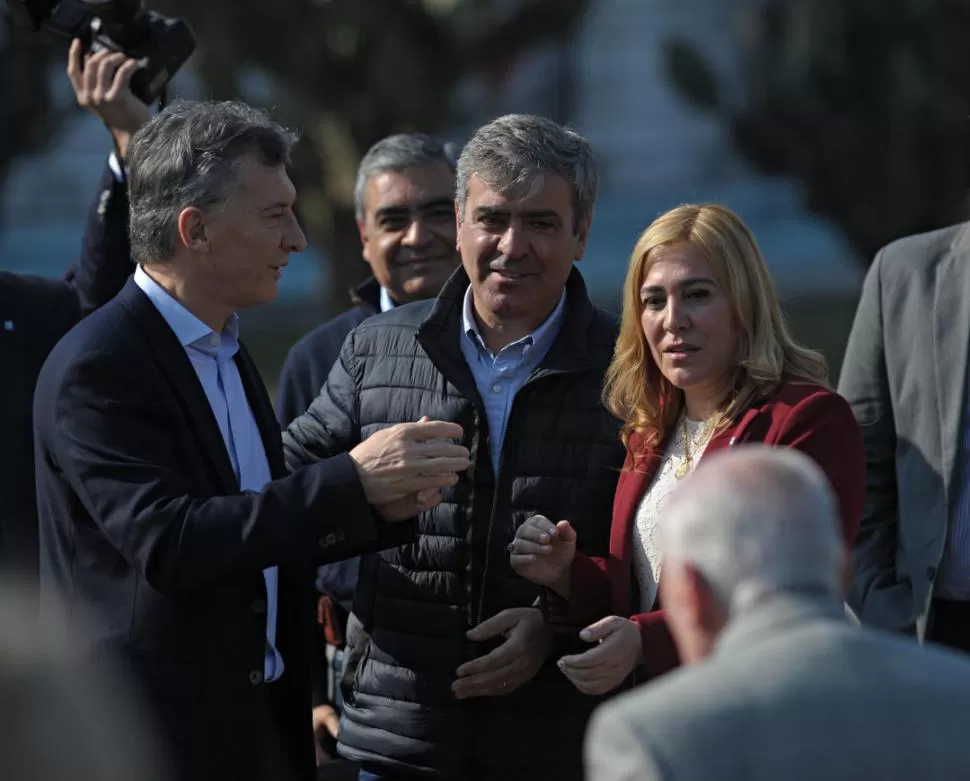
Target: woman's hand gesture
542, 552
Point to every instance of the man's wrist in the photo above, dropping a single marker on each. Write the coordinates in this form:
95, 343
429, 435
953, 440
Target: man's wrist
122, 139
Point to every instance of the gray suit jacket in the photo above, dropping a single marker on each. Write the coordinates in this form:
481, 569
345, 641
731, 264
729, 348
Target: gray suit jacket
793, 692
904, 374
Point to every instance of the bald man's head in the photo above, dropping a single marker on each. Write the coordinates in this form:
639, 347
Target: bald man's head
746, 524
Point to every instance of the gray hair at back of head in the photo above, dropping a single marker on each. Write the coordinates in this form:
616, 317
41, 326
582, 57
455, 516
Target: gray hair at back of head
756, 521
188, 155
399, 153
511, 152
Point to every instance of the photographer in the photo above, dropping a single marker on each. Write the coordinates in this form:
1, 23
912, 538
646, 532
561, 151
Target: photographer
36, 312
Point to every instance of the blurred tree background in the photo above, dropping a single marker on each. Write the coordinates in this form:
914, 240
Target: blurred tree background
865, 102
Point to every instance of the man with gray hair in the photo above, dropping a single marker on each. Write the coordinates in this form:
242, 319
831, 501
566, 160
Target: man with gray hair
778, 683
165, 512
451, 670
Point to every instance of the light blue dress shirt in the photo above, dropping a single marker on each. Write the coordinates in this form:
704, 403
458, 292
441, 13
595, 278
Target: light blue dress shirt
387, 303
212, 355
499, 377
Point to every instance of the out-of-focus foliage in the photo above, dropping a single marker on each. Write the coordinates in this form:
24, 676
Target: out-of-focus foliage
865, 102
345, 73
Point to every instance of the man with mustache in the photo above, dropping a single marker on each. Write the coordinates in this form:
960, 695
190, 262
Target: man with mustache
451, 669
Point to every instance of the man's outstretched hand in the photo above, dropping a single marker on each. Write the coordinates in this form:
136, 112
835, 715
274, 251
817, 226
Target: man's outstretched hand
404, 467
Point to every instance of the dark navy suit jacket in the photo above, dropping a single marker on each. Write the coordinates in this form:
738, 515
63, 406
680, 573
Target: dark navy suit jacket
146, 536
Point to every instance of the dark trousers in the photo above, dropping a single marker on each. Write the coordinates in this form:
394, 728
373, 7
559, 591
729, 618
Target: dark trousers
950, 624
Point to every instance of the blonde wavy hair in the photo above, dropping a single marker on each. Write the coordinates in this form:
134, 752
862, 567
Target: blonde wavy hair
635, 390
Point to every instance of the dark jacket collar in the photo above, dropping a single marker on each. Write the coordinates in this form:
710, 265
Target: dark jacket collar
367, 293
569, 353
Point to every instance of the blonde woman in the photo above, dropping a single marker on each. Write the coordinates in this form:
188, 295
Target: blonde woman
703, 362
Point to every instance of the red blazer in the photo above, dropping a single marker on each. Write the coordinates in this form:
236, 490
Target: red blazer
799, 414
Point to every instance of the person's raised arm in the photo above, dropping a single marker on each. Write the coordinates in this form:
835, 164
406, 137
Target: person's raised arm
101, 86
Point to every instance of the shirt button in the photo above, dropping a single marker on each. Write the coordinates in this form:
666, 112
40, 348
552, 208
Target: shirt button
259, 606
255, 677
496, 388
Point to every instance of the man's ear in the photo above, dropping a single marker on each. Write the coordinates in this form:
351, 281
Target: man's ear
457, 225
192, 229
704, 606
582, 236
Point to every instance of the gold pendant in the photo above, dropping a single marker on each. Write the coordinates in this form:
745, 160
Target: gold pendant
682, 470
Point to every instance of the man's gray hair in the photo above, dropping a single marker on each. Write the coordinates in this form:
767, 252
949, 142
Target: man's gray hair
188, 155
511, 153
756, 521
399, 153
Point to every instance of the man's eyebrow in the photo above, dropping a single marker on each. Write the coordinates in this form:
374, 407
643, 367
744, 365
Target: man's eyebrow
541, 214
492, 211
404, 208
278, 205
529, 214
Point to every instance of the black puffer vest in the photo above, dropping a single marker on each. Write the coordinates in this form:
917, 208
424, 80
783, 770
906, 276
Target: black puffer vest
414, 604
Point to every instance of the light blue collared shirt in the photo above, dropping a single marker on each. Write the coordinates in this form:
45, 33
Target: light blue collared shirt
499, 377
387, 303
212, 355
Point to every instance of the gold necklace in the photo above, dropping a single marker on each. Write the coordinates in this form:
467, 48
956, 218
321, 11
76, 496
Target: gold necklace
690, 451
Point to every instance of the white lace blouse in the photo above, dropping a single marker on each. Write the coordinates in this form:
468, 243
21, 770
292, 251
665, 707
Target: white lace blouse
646, 558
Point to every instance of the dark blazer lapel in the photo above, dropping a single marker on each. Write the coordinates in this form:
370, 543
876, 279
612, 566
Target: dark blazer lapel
259, 403
951, 322
440, 336
177, 369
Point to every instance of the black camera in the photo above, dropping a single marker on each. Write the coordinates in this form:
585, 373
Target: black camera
161, 43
